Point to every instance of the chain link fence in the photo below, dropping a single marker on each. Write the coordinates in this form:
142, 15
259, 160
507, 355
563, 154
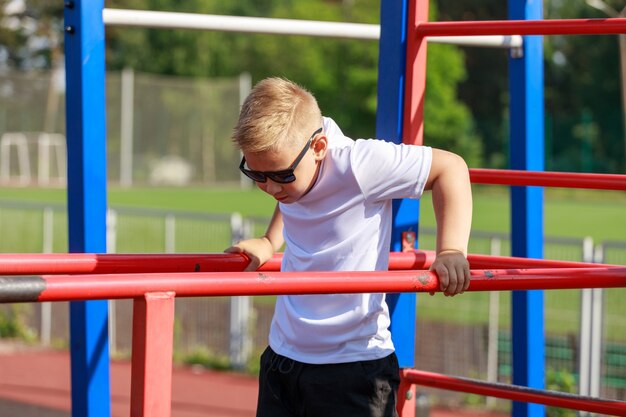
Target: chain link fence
160, 130
473, 339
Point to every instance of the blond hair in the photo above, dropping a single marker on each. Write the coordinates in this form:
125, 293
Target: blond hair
277, 113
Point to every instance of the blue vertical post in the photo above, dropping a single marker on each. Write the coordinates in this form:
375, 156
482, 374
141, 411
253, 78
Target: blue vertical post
86, 191
527, 153
389, 119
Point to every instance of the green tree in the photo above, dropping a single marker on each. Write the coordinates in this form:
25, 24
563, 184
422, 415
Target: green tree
583, 95
30, 33
448, 122
582, 91
484, 88
341, 73
453, 127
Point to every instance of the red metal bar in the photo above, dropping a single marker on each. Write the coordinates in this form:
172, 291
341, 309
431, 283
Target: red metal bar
524, 27
91, 287
406, 397
415, 87
515, 393
507, 262
84, 263
153, 341
88, 263
423, 259
548, 179
418, 259
398, 261
273, 264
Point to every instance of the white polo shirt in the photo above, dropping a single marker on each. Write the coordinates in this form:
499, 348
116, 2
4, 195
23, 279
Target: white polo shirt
344, 224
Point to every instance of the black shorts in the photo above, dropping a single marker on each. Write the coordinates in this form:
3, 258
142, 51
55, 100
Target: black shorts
359, 389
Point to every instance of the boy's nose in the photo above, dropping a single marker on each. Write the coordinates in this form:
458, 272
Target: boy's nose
272, 187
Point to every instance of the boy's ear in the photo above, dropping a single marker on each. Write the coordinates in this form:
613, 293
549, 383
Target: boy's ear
320, 146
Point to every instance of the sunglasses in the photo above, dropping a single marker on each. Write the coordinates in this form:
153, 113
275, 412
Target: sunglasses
284, 176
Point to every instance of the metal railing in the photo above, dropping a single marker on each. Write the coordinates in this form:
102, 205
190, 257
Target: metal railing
154, 295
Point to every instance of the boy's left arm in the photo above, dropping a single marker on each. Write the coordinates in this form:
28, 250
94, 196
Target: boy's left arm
452, 202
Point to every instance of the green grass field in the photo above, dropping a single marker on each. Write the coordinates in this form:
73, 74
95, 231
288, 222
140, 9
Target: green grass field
571, 213
567, 213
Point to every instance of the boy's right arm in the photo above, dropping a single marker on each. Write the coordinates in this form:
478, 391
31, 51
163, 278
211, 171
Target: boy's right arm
452, 201
260, 250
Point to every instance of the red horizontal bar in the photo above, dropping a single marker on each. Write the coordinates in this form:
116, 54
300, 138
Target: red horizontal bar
524, 27
548, 179
110, 286
423, 259
88, 263
515, 392
84, 263
398, 261
507, 262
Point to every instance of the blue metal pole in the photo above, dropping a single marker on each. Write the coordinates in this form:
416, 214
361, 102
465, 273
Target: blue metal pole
86, 191
527, 153
389, 118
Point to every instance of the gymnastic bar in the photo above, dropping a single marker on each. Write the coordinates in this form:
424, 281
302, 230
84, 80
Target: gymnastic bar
38, 288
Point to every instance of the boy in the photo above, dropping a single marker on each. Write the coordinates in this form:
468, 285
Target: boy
332, 355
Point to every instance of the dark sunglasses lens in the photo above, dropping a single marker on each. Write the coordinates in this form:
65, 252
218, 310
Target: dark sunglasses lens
255, 176
283, 178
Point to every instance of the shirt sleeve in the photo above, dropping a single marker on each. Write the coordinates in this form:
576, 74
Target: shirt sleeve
385, 170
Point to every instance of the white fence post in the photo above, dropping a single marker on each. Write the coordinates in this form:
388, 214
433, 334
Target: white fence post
245, 85
47, 247
112, 329
170, 233
127, 127
112, 248
494, 312
591, 322
48, 230
239, 309
111, 231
